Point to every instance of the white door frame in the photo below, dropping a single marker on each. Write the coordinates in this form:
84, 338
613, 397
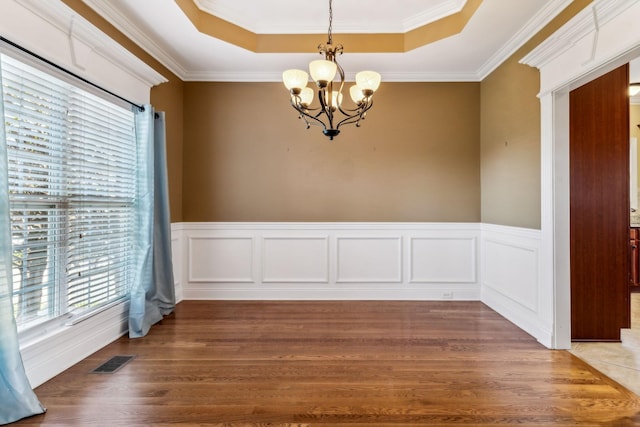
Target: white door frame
597, 40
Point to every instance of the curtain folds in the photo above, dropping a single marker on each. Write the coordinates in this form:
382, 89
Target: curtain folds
17, 399
152, 292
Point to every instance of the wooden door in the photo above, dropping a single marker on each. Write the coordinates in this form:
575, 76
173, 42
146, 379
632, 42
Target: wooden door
599, 206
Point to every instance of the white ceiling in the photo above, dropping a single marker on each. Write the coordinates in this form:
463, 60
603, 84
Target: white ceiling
497, 29
296, 16
493, 33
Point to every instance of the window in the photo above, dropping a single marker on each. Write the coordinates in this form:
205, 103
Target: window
72, 188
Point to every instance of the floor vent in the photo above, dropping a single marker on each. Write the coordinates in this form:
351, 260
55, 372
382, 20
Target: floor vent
112, 365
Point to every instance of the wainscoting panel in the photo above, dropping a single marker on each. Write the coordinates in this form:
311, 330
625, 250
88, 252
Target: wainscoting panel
369, 259
443, 259
511, 278
295, 259
221, 259
498, 265
356, 261
517, 279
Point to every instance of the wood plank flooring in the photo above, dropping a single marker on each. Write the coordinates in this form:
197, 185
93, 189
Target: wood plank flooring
335, 363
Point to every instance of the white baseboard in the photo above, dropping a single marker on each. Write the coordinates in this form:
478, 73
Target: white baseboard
50, 354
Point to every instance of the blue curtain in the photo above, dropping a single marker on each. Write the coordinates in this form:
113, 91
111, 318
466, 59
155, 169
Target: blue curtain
152, 293
17, 399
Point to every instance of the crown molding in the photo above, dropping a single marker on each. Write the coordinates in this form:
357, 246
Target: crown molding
431, 15
69, 22
535, 24
585, 22
277, 77
129, 29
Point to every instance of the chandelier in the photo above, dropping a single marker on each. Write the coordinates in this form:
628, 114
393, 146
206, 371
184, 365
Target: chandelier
323, 72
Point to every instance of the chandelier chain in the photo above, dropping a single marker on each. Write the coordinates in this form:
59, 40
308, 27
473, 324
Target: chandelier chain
330, 41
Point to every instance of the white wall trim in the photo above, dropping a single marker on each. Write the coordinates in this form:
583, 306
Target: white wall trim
511, 278
53, 352
598, 39
496, 264
355, 261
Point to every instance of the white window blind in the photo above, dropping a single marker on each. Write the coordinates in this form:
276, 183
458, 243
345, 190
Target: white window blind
72, 185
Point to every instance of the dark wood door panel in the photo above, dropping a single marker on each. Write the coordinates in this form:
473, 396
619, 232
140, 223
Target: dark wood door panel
599, 185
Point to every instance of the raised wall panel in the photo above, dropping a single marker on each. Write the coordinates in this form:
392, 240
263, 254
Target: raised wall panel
369, 259
442, 260
221, 259
516, 279
342, 261
295, 259
511, 283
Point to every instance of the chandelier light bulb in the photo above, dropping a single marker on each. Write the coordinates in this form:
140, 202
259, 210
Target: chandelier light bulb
368, 81
322, 71
356, 94
306, 96
336, 100
295, 80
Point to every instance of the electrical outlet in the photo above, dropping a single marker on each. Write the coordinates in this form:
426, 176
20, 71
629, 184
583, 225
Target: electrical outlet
447, 295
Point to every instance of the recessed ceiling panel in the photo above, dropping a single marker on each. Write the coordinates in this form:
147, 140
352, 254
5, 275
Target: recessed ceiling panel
493, 33
349, 16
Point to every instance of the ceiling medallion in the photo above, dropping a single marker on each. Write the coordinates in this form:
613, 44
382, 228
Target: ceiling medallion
323, 72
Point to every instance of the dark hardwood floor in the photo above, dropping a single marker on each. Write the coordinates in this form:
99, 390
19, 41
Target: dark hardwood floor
335, 363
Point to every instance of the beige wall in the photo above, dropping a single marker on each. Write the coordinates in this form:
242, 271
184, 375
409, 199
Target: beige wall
510, 150
168, 97
247, 157
510, 137
238, 153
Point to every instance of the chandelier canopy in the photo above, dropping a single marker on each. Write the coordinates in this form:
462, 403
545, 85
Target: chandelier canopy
323, 73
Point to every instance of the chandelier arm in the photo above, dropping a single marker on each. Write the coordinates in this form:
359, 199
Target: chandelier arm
341, 72
324, 106
363, 106
356, 118
304, 114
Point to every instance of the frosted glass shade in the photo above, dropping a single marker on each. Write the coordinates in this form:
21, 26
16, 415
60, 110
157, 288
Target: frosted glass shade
336, 98
306, 96
322, 70
295, 79
356, 94
368, 80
